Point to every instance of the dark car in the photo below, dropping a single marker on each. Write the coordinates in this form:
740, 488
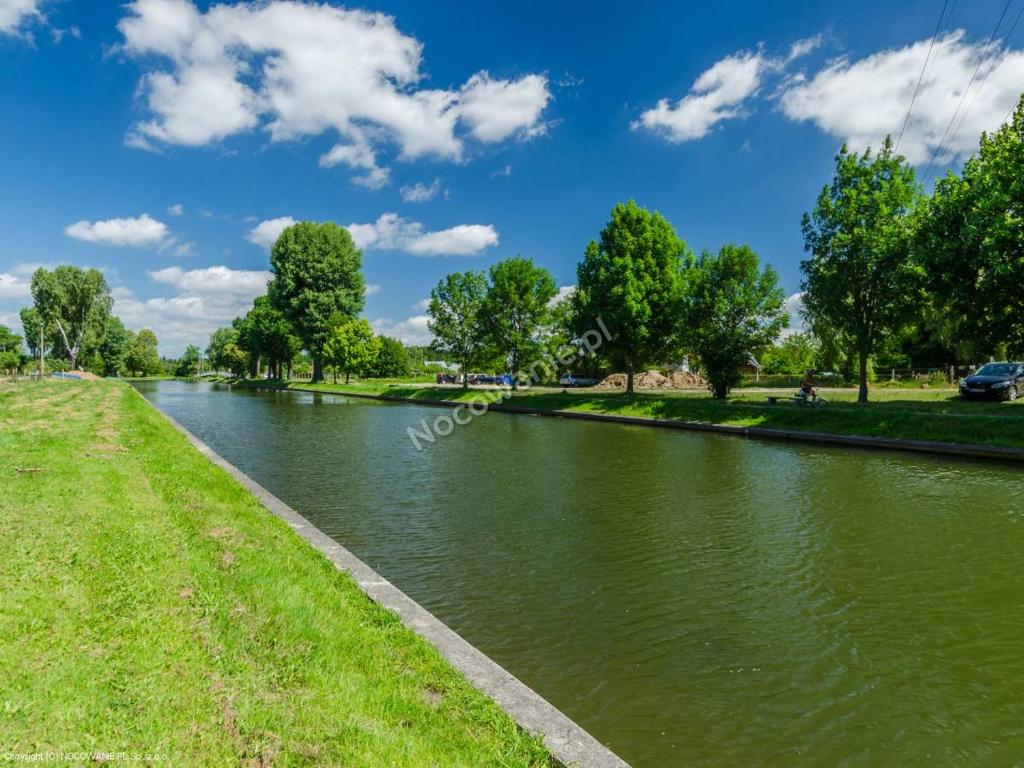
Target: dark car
1001, 381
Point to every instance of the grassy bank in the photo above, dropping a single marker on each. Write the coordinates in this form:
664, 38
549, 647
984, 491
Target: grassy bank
909, 414
151, 605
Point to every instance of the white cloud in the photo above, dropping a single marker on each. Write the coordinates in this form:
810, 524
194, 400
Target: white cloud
299, 69
412, 330
203, 300
564, 292
497, 109
214, 280
138, 232
462, 240
794, 307
13, 286
420, 192
804, 47
506, 171
371, 288
718, 94
421, 305
176, 210
14, 14
265, 233
861, 101
393, 233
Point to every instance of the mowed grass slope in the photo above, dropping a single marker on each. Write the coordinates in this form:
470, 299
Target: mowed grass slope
149, 604
908, 414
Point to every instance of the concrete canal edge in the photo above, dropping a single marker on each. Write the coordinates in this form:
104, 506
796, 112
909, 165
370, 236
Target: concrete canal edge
955, 450
569, 744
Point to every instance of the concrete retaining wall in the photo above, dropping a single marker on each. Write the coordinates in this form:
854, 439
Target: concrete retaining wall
568, 743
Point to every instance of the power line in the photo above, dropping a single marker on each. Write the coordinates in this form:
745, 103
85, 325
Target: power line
956, 113
992, 66
920, 78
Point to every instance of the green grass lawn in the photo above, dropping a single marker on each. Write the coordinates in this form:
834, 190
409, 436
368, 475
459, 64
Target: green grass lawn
911, 414
151, 605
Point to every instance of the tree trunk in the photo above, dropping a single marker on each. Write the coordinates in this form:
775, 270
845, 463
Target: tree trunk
346, 377
318, 370
629, 376
515, 369
465, 374
862, 395
42, 352
334, 372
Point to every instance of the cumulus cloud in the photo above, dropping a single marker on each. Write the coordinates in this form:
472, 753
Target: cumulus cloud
138, 232
412, 330
176, 210
371, 288
297, 69
13, 286
861, 101
265, 233
214, 280
794, 307
717, 95
15, 15
420, 192
390, 232
564, 292
203, 300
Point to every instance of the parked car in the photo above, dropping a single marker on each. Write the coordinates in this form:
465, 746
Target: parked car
503, 379
569, 380
1001, 381
481, 378
445, 378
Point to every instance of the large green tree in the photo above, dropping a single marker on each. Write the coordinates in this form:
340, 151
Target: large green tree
454, 319
515, 309
860, 279
113, 346
732, 312
271, 336
142, 357
317, 273
970, 242
392, 361
10, 350
631, 282
351, 346
217, 350
188, 364
75, 301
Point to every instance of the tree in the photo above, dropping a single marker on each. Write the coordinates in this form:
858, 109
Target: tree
113, 346
515, 308
796, 355
632, 282
316, 274
392, 361
271, 336
732, 311
142, 357
351, 346
75, 301
188, 363
970, 243
860, 279
10, 350
454, 318
217, 350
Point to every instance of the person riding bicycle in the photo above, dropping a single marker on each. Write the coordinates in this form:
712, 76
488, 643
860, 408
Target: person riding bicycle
808, 386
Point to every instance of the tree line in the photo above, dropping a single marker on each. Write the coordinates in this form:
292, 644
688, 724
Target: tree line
891, 274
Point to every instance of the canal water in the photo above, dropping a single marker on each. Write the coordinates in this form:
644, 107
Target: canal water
689, 599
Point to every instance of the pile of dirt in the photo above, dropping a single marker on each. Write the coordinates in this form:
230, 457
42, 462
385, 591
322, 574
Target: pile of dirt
654, 380
642, 380
84, 375
687, 380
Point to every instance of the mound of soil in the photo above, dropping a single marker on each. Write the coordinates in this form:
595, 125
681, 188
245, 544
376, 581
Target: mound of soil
654, 380
84, 375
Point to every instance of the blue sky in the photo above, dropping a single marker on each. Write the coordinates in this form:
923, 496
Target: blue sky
163, 141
